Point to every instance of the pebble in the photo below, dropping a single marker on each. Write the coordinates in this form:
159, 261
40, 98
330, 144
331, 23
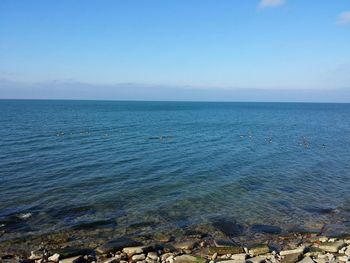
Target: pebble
138, 257
323, 239
55, 257
343, 258
152, 255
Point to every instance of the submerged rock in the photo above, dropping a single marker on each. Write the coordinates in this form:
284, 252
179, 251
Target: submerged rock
267, 229
229, 228
188, 244
117, 244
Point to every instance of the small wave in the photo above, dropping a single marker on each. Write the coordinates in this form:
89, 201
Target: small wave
25, 215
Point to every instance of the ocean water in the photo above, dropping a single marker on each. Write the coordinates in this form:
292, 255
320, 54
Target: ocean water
96, 164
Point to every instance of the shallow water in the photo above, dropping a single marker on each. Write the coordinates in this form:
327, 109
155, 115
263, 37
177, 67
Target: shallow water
96, 164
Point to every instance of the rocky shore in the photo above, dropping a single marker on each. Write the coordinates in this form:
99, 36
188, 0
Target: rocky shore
196, 247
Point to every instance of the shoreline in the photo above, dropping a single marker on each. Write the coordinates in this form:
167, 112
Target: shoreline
198, 245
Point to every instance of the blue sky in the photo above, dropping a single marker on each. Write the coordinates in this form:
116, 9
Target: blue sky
202, 44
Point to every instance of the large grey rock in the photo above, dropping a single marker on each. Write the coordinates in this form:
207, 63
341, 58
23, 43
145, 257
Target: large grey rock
117, 245
332, 247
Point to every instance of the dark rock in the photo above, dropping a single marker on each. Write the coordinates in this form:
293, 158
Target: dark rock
117, 245
267, 229
336, 230
319, 210
69, 252
228, 227
26, 261
95, 224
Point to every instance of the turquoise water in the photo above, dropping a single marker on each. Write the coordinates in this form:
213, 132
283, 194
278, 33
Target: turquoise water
69, 164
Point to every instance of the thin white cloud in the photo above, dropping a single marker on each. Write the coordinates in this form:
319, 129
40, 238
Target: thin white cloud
344, 18
271, 3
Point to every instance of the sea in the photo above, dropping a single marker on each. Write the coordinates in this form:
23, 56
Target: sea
139, 167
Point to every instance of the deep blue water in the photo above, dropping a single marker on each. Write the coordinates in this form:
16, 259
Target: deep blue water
70, 163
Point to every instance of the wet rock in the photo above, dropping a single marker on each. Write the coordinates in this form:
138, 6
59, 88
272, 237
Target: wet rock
193, 233
226, 250
335, 230
259, 250
70, 252
229, 228
77, 259
55, 257
267, 229
292, 251
188, 259
292, 258
161, 237
214, 256
332, 247
117, 245
188, 244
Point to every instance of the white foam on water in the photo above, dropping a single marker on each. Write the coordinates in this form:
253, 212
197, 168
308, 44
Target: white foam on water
25, 215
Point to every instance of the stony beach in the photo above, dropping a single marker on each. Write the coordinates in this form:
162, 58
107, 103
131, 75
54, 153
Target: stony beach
223, 244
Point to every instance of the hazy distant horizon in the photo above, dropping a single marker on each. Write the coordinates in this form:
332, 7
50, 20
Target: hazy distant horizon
70, 90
